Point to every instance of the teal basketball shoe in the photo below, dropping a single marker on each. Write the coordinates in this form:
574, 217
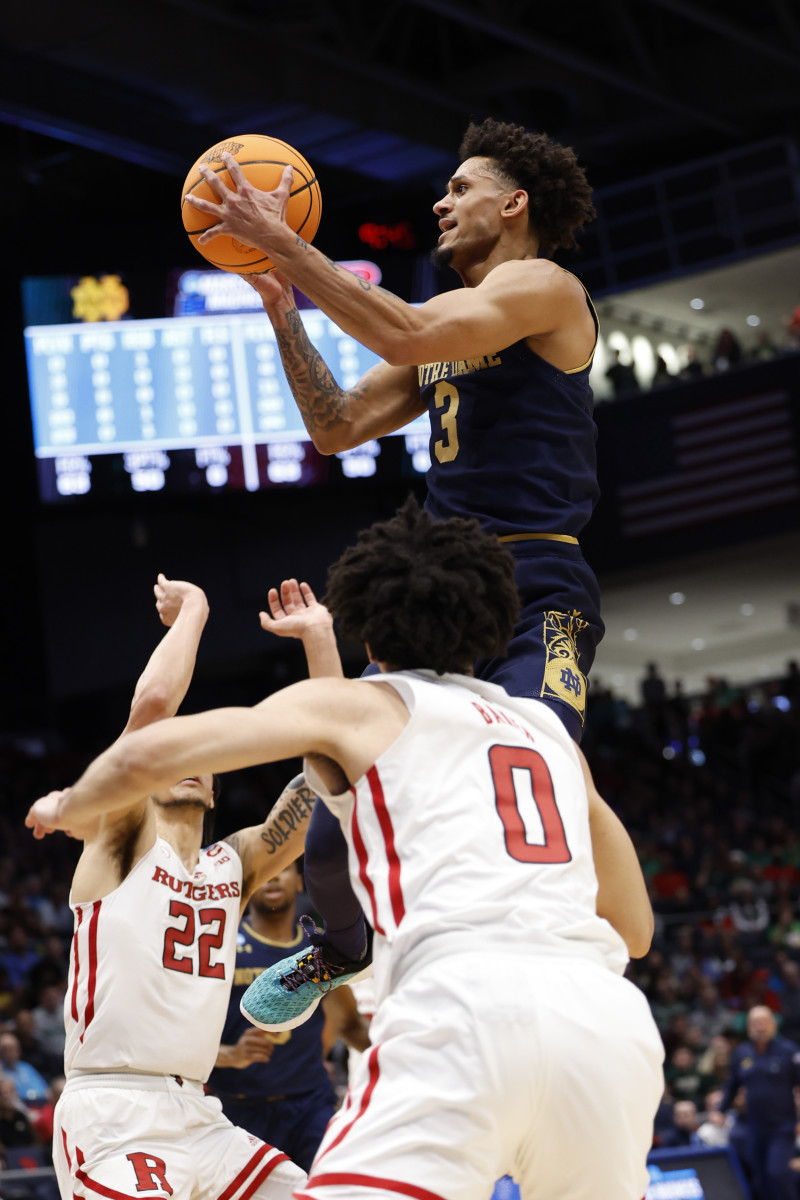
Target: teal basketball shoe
286, 994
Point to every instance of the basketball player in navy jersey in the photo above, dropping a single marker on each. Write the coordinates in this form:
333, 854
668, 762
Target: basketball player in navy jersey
279, 1082
502, 368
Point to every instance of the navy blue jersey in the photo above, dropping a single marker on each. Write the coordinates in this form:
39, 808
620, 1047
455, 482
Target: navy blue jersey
512, 443
769, 1079
296, 1064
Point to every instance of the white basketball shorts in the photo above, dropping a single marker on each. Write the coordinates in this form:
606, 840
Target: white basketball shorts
545, 1069
133, 1137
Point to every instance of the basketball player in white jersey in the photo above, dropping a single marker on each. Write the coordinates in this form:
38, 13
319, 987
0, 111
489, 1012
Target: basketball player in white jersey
151, 967
505, 895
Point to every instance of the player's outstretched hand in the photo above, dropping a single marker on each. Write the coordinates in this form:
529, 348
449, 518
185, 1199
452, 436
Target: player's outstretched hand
294, 611
172, 594
43, 816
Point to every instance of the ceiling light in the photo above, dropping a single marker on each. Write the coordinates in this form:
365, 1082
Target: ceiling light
697, 303
753, 319
698, 643
747, 610
630, 635
676, 598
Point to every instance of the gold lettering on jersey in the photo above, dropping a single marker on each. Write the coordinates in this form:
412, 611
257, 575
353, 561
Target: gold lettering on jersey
197, 891
496, 716
431, 372
244, 976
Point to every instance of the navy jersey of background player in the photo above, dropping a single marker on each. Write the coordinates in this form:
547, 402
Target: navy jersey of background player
770, 1078
513, 444
289, 1100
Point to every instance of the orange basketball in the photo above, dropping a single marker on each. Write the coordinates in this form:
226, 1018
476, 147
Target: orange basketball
262, 160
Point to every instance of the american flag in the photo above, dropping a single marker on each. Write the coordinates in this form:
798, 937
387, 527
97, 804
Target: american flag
722, 461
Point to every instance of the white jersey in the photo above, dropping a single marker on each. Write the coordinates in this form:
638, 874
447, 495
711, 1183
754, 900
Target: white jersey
151, 966
472, 829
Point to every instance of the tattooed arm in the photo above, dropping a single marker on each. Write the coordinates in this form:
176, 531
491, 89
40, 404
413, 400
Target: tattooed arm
518, 298
384, 399
266, 849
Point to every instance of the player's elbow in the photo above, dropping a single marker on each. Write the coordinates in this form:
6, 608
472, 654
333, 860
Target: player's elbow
639, 936
132, 768
334, 440
153, 704
406, 342
405, 347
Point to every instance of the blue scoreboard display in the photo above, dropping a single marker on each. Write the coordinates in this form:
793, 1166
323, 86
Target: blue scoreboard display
189, 402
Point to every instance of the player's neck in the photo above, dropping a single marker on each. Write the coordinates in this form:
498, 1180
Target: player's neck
511, 249
184, 834
275, 926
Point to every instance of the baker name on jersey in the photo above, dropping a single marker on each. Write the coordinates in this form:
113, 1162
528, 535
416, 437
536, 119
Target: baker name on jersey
495, 716
197, 891
430, 372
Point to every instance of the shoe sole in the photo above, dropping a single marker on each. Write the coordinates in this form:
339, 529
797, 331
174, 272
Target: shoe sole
301, 1017
279, 1027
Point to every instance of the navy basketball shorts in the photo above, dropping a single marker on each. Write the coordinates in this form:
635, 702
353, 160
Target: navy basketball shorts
554, 641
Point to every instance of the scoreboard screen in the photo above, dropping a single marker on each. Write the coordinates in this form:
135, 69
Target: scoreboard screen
197, 401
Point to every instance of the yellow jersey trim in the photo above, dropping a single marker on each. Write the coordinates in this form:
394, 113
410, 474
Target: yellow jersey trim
539, 537
593, 310
257, 937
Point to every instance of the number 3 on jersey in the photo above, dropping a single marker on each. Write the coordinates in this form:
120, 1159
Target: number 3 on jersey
184, 935
504, 761
446, 448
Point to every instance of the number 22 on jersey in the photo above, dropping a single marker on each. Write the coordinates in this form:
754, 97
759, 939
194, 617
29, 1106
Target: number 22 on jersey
183, 935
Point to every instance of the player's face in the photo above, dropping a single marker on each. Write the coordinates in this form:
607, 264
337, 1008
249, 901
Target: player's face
279, 893
761, 1025
469, 215
195, 791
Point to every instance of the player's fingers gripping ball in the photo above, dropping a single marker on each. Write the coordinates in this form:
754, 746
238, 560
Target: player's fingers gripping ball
262, 160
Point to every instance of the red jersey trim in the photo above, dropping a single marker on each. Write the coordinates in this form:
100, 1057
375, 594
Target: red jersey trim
93, 921
361, 854
387, 829
66, 1151
257, 1180
375, 1181
76, 965
248, 1169
373, 1072
100, 1188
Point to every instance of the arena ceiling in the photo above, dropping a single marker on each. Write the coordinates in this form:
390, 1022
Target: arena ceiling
106, 105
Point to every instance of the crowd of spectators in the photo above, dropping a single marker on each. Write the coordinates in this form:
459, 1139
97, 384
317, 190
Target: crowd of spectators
723, 354
709, 788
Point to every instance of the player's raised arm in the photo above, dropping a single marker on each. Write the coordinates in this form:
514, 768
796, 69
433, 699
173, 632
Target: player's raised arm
384, 399
347, 724
267, 849
512, 293
295, 612
161, 687
163, 684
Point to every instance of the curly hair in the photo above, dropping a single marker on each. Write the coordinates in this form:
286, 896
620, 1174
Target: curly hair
559, 196
424, 593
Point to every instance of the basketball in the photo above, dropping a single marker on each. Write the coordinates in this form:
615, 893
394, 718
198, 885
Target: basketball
262, 160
